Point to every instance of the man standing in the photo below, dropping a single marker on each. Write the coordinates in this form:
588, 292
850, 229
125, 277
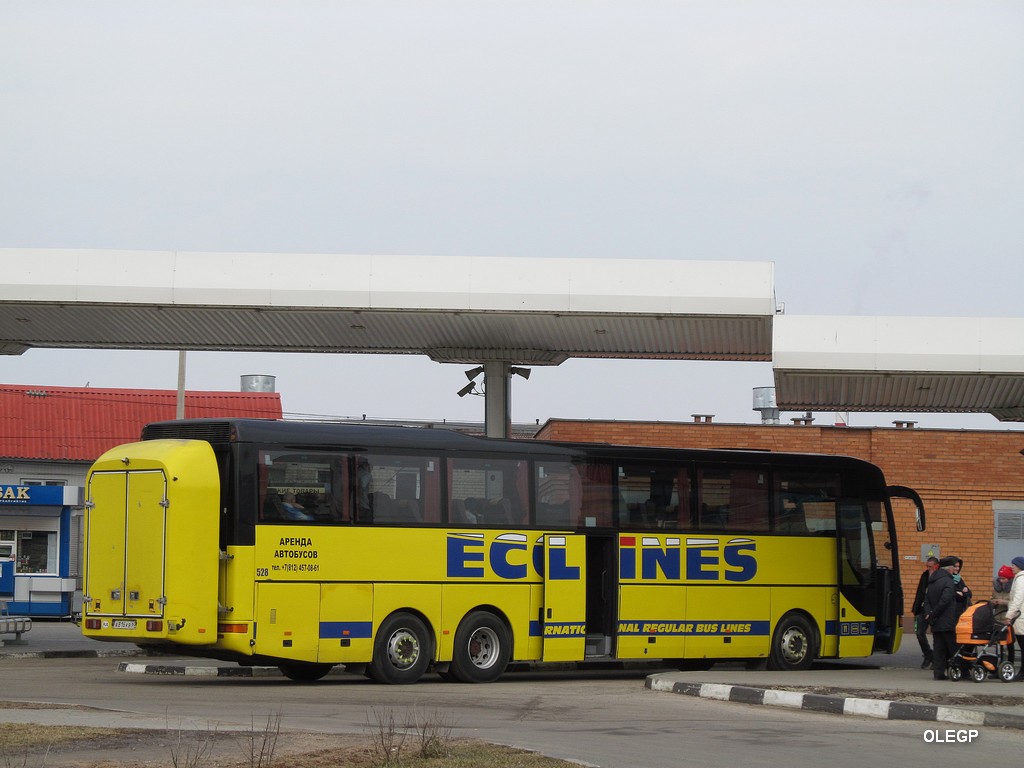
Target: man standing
920, 625
940, 612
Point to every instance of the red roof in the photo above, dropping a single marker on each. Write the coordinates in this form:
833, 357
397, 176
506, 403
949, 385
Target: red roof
79, 424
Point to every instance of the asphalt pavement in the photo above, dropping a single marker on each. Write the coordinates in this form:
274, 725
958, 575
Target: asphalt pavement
883, 686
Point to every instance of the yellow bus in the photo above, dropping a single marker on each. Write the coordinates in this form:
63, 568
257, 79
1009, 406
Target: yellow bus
396, 551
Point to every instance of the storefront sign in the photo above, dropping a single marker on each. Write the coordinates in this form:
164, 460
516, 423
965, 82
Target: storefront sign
35, 495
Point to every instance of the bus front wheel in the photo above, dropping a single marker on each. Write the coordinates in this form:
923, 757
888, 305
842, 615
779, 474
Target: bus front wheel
792, 644
401, 651
483, 647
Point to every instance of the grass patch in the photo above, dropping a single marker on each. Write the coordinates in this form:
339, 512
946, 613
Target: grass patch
36, 746
19, 736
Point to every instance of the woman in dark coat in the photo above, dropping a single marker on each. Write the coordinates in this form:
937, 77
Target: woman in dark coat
961, 591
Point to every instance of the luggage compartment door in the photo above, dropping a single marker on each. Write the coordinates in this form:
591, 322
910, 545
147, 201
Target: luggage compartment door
126, 537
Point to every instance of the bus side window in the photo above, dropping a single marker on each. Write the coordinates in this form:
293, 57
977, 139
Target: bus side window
557, 500
734, 499
805, 502
597, 495
299, 487
397, 489
485, 491
654, 494
273, 508
713, 498
790, 517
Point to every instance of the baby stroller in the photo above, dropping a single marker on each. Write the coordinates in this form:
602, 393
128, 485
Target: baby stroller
984, 646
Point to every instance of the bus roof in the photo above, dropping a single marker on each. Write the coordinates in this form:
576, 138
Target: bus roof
340, 435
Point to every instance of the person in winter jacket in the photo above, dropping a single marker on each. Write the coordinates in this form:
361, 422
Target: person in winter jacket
1001, 583
920, 625
940, 612
1015, 606
961, 592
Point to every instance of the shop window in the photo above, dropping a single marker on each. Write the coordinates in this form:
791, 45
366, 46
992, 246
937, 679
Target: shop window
34, 551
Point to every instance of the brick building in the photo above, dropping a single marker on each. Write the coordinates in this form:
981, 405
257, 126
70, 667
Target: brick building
971, 481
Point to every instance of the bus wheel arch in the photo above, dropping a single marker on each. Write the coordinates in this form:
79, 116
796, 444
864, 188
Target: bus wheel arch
403, 648
483, 647
794, 644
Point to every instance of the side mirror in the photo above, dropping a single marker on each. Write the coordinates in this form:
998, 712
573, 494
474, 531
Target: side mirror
902, 492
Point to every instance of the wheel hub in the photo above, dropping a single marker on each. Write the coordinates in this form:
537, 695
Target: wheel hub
794, 645
403, 649
482, 648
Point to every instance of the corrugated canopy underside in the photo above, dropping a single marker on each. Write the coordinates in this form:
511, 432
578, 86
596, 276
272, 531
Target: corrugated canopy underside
527, 311
913, 364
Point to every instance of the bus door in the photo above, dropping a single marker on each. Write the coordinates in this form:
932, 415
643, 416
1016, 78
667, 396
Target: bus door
564, 615
602, 590
126, 533
858, 603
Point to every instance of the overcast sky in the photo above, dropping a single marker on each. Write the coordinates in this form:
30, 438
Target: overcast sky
874, 151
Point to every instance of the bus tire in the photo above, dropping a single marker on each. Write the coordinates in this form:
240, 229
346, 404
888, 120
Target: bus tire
483, 647
402, 650
304, 672
693, 665
793, 644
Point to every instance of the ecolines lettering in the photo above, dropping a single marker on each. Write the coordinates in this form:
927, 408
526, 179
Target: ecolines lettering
508, 558
706, 559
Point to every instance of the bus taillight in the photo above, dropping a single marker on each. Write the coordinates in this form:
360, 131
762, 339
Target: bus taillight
154, 625
237, 629
92, 623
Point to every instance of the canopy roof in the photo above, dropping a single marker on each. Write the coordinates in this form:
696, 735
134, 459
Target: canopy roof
454, 309
518, 311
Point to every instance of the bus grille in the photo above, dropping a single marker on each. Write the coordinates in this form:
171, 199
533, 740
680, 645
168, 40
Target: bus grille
210, 431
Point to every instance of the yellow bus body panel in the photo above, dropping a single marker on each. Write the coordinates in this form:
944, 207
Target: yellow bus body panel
288, 619
720, 596
346, 623
150, 555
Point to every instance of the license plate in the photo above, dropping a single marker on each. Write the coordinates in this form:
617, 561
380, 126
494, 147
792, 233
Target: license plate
124, 623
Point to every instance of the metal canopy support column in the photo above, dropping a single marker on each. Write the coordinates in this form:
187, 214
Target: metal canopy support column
497, 400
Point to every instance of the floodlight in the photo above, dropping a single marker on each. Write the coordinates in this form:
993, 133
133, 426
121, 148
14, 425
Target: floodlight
468, 389
524, 372
472, 373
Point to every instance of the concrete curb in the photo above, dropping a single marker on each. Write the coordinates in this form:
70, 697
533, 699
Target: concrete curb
838, 705
80, 654
196, 671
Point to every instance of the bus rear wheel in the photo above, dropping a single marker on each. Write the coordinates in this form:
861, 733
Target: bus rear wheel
792, 644
401, 651
482, 650
302, 672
